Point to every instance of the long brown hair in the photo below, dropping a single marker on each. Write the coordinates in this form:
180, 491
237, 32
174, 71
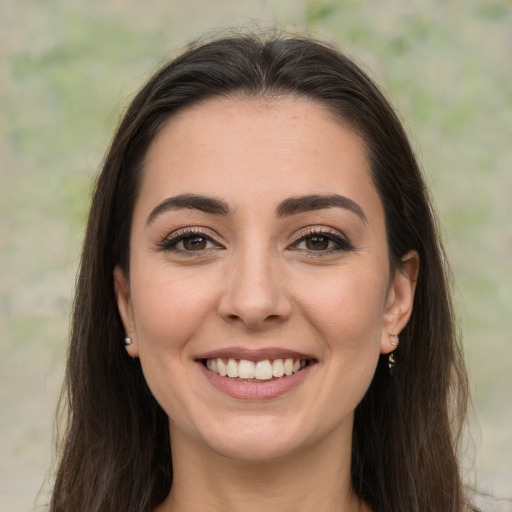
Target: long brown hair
116, 452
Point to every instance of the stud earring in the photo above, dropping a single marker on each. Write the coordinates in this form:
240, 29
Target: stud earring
394, 339
391, 363
127, 341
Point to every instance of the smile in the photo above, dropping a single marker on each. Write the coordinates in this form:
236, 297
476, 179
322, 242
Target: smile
255, 374
244, 370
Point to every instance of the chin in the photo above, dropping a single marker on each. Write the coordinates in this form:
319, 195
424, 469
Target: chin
255, 450
254, 439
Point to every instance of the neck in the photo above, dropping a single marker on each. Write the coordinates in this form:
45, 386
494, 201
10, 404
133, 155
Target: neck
307, 481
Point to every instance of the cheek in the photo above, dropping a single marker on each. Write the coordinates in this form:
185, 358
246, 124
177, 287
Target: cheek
346, 308
169, 314
168, 311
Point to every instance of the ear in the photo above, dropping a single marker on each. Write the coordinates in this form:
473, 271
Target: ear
124, 305
400, 300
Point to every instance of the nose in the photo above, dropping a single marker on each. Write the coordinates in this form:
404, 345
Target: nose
256, 292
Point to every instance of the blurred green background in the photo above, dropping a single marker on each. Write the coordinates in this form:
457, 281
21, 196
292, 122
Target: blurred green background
69, 68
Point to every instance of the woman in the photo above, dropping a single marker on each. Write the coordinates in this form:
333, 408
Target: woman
262, 318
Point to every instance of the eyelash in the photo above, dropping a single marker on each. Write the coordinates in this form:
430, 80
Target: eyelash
341, 243
170, 242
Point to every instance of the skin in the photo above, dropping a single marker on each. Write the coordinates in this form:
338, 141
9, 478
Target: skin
257, 280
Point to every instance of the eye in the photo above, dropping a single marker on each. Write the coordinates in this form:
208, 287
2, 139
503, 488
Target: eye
194, 243
188, 242
316, 243
321, 242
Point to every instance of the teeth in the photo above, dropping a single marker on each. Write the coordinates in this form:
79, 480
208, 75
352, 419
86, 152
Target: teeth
222, 367
277, 368
232, 368
260, 370
212, 365
263, 370
246, 369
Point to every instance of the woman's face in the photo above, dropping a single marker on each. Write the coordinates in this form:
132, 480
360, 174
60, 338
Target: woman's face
258, 248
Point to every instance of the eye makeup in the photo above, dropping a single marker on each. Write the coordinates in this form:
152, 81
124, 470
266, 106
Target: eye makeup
190, 241
321, 241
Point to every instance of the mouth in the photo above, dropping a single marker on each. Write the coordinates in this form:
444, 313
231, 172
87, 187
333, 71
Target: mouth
255, 374
259, 371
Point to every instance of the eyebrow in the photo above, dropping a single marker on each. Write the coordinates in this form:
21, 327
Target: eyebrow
192, 202
308, 203
291, 206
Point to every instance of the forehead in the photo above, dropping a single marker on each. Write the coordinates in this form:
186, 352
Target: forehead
243, 149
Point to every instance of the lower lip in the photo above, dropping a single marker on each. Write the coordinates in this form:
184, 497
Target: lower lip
254, 390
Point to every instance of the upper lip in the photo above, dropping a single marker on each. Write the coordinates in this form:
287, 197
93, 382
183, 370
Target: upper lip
259, 354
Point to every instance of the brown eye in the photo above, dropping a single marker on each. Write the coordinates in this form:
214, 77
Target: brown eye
195, 243
317, 243
189, 242
322, 243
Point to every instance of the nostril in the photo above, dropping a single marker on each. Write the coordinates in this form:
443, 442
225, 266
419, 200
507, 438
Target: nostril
253, 299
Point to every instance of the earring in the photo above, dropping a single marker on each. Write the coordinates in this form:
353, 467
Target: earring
395, 339
391, 363
127, 341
